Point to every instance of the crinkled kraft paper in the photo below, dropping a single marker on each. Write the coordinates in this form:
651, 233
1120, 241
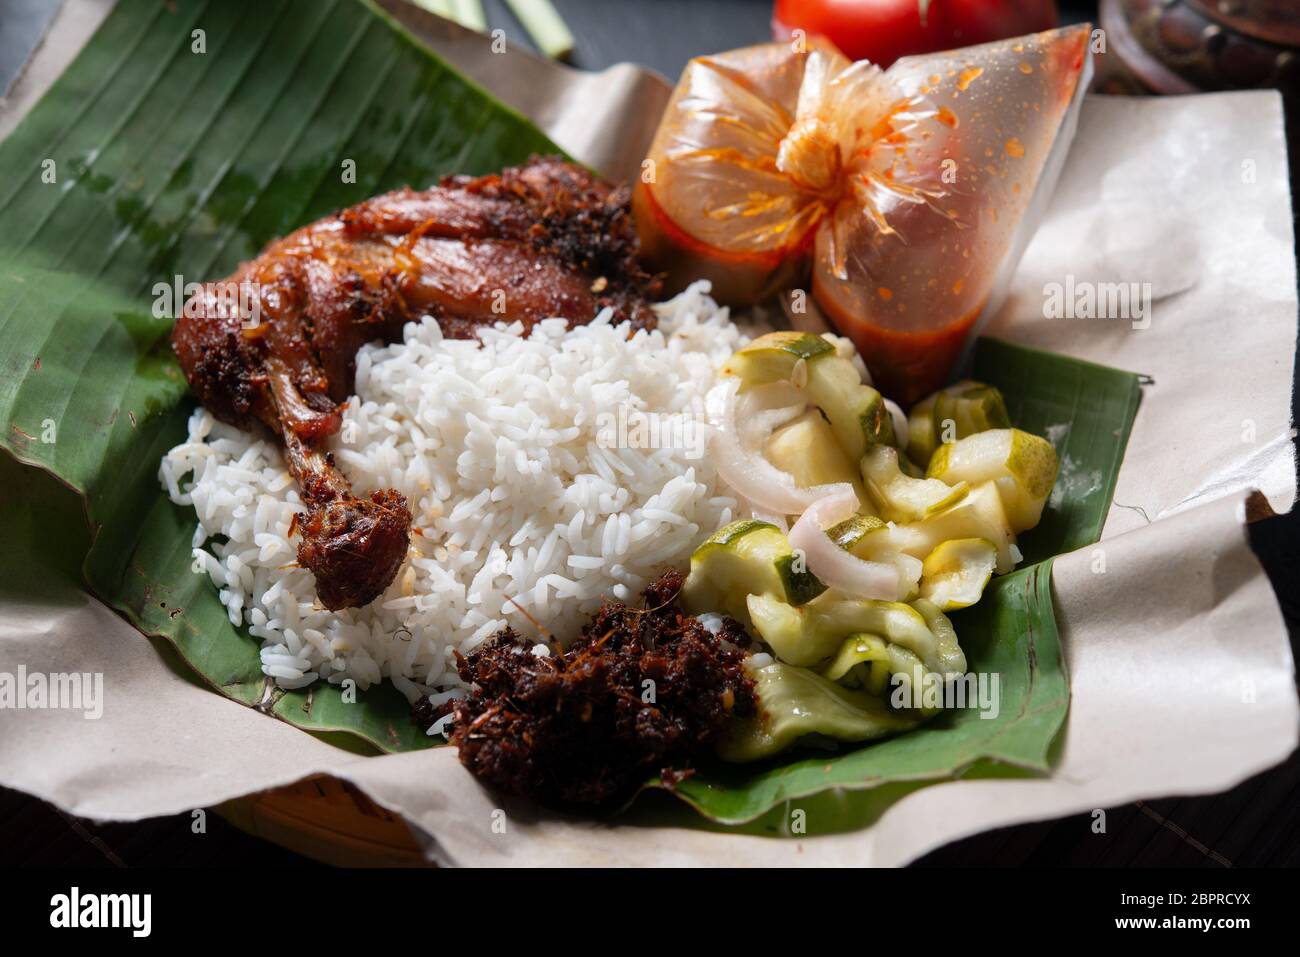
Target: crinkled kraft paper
1181, 675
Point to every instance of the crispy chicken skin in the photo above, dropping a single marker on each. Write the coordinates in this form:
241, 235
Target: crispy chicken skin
540, 240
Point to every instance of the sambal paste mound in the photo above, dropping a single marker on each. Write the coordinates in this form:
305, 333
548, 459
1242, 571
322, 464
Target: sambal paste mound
640, 692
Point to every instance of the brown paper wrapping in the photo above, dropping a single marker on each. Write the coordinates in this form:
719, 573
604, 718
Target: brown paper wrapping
1181, 675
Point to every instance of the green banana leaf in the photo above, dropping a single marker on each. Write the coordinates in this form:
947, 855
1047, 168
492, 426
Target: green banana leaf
188, 134
1087, 410
156, 156
1010, 633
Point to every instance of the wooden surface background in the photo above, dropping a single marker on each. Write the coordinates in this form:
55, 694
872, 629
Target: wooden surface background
1255, 824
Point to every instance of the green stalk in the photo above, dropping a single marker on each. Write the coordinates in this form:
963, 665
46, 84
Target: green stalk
545, 25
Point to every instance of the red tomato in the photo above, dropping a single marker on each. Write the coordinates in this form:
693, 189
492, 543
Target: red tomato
884, 30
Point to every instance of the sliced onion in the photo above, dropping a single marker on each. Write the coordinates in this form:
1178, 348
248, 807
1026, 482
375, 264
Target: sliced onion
771, 395
764, 515
845, 349
761, 411
744, 467
836, 567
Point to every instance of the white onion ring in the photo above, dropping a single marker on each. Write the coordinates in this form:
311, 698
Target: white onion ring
764, 515
836, 567
770, 401
755, 421
742, 465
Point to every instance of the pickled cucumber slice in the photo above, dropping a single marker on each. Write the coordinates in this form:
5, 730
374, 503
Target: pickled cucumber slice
980, 514
909, 571
899, 497
856, 412
794, 702
856, 649
850, 533
867, 661
772, 357
747, 557
1021, 466
807, 449
970, 406
951, 660
811, 634
955, 574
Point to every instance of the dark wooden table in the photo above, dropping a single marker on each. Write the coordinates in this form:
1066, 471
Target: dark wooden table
1255, 824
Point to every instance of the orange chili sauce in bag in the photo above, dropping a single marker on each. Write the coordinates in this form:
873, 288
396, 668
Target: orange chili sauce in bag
906, 364
712, 202
738, 277
907, 187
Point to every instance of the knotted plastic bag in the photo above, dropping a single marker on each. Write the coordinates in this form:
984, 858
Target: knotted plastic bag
909, 192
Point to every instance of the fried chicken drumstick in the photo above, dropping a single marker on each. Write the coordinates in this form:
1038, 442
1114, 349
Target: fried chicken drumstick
541, 240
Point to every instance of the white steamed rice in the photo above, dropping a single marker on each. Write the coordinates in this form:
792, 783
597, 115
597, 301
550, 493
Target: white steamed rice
496, 447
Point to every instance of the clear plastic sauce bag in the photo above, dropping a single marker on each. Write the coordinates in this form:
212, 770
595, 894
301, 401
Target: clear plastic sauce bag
905, 191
